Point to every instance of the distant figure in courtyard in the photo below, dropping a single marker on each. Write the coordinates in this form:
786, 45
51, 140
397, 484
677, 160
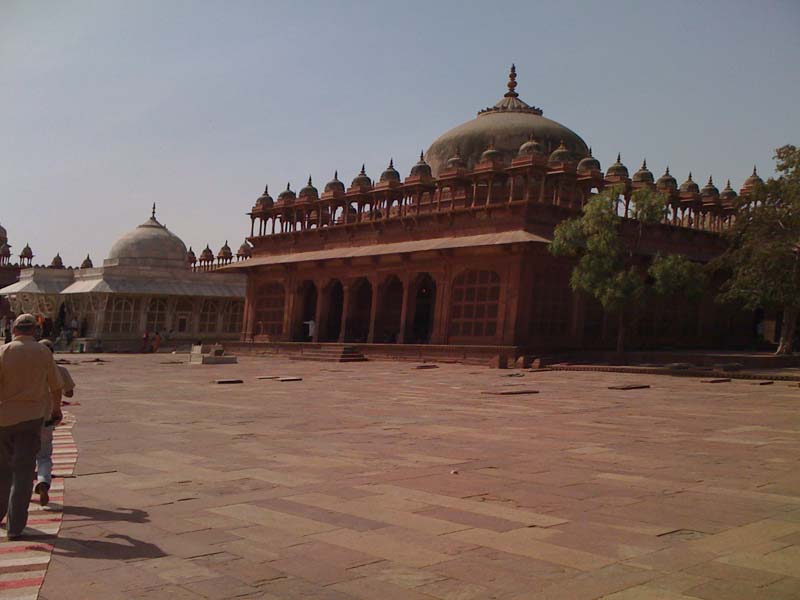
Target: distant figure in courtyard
312, 329
30, 387
44, 459
156, 342
145, 342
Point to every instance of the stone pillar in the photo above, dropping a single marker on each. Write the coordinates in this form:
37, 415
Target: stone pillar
141, 318
441, 311
406, 280
345, 310
318, 311
373, 281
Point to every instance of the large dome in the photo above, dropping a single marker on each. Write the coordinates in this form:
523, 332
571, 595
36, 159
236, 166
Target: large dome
151, 243
507, 125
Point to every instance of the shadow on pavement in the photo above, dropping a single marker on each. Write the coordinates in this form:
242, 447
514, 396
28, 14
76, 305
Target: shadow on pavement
102, 549
132, 515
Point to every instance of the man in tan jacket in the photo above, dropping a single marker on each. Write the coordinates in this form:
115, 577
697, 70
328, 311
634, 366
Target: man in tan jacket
30, 388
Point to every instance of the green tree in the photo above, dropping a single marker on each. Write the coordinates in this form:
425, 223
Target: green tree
609, 265
763, 257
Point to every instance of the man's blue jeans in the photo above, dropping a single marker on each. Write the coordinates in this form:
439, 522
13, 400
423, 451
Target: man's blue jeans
44, 459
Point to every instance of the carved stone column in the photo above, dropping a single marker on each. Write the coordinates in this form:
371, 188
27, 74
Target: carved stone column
345, 310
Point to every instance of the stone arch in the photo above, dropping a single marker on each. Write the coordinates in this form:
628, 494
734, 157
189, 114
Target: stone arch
359, 311
332, 298
422, 309
305, 311
389, 311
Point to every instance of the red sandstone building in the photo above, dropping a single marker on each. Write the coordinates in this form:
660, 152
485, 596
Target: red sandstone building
456, 252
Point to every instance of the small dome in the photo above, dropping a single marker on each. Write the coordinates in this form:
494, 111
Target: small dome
207, 255
421, 169
728, 194
245, 250
753, 180
190, 257
390, 174
589, 163
560, 155
618, 169
689, 186
150, 241
491, 154
309, 192
57, 263
667, 182
265, 200
87, 263
5, 250
710, 189
362, 180
334, 186
532, 147
225, 252
287, 196
643, 175
26, 252
456, 162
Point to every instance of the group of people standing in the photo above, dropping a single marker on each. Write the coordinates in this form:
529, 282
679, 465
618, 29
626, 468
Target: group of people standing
31, 388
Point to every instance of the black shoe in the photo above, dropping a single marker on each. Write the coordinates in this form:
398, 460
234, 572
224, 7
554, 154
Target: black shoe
14, 537
43, 489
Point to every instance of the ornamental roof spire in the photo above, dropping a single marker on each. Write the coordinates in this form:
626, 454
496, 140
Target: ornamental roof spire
512, 82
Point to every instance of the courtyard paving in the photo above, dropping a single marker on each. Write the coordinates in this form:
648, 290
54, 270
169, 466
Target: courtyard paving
382, 481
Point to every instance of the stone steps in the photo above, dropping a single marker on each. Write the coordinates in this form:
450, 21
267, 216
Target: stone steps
330, 353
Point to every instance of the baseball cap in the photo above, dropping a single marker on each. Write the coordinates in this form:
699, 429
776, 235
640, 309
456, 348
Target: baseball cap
24, 321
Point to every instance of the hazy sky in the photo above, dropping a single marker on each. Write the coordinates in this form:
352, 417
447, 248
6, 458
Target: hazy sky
107, 107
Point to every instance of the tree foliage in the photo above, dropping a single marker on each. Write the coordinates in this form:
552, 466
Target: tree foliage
763, 256
609, 267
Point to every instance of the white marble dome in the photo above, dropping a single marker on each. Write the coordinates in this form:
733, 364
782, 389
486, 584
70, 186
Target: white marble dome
149, 244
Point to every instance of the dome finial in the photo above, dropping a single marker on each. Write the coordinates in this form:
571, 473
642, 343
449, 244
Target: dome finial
153, 214
644, 163
710, 180
512, 82
690, 176
288, 185
266, 189
667, 169
421, 155
309, 183
590, 150
363, 170
336, 175
754, 170
619, 157
391, 163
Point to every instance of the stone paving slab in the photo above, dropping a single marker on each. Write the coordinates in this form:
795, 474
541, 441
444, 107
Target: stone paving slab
378, 480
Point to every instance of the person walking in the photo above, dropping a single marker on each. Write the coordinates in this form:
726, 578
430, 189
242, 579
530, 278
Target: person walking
30, 388
44, 459
156, 342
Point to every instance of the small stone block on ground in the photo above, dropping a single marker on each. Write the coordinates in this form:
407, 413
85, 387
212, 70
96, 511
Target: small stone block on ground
290, 379
719, 380
271, 377
630, 386
511, 393
227, 381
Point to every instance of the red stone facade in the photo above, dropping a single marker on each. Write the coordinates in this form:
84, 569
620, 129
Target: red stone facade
460, 256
